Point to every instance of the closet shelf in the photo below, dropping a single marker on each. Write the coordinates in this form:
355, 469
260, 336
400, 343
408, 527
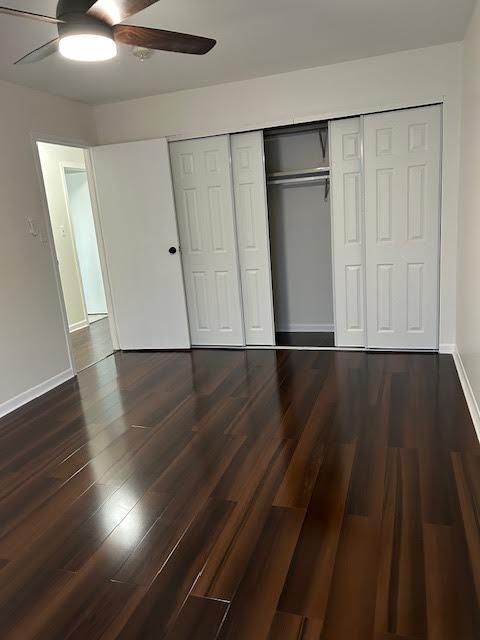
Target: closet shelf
299, 173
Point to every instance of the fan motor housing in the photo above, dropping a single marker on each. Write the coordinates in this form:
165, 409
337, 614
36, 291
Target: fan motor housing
76, 23
72, 12
66, 8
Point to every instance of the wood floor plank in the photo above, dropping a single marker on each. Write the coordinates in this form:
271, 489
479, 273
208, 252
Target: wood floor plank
188, 500
253, 607
251, 494
287, 626
232, 550
85, 608
354, 581
164, 598
40, 519
401, 596
436, 473
40, 564
451, 605
365, 494
308, 583
397, 436
299, 481
199, 618
466, 469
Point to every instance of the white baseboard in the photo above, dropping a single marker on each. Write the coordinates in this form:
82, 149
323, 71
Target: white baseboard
30, 394
468, 392
447, 348
76, 326
307, 328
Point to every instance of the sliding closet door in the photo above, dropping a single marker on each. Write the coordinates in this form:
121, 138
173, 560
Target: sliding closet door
204, 201
135, 198
253, 238
347, 218
402, 204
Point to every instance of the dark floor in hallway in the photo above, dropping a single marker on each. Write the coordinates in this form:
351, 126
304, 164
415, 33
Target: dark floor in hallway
91, 344
305, 339
255, 495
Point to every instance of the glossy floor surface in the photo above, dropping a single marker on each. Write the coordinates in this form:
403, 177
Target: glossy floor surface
255, 495
92, 344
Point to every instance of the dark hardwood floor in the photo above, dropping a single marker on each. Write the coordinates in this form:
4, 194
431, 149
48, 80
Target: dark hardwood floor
255, 495
92, 344
305, 339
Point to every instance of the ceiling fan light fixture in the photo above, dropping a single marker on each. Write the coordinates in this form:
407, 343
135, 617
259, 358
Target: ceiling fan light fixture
89, 30
87, 47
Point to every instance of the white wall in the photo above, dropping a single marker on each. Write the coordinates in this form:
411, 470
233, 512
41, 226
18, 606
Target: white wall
399, 79
33, 349
468, 309
53, 158
301, 247
83, 224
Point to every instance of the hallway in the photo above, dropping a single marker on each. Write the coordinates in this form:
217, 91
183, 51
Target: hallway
92, 344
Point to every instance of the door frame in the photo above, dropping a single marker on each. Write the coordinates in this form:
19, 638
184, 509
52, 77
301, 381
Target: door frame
49, 239
63, 167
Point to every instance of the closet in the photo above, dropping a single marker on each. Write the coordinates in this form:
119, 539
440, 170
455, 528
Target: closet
298, 182
324, 233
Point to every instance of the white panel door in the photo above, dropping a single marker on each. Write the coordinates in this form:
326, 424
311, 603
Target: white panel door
137, 213
204, 200
253, 236
347, 225
402, 211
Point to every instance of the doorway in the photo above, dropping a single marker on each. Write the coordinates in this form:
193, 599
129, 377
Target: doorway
298, 189
72, 221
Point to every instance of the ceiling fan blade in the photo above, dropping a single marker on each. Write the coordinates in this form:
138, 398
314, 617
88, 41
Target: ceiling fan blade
27, 14
162, 40
114, 11
39, 54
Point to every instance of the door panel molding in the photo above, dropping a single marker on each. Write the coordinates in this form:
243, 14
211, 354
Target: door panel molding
253, 236
347, 231
205, 211
403, 227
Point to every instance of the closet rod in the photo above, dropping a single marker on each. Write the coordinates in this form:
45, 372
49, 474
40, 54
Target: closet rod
299, 180
298, 173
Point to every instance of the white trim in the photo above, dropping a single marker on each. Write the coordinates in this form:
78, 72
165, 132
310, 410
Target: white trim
307, 328
34, 392
64, 166
273, 347
468, 392
93, 190
364, 110
76, 326
47, 223
447, 348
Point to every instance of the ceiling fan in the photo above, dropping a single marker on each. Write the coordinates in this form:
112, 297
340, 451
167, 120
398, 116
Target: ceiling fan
89, 30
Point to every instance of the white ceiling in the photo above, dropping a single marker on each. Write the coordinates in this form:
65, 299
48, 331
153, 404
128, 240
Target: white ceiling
255, 38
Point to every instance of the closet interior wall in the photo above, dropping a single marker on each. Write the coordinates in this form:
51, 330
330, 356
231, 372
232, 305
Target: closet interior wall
297, 166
